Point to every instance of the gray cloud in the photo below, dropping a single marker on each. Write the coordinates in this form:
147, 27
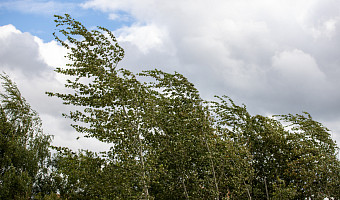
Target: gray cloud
276, 57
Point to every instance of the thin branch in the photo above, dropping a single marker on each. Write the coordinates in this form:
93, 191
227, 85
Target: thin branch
185, 188
247, 190
265, 183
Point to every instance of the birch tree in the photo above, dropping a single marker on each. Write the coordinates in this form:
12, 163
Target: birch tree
168, 143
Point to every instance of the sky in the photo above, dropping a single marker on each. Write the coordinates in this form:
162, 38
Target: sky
276, 57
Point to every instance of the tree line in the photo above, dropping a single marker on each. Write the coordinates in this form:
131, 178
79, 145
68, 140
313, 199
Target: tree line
166, 141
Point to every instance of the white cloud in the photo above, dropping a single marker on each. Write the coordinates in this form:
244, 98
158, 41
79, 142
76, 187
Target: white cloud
298, 67
325, 29
322, 19
7, 30
296, 79
143, 37
52, 53
105, 5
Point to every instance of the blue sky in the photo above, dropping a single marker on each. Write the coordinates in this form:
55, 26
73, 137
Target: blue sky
38, 20
277, 57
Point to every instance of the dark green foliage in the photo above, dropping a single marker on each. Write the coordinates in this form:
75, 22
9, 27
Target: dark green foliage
24, 149
79, 175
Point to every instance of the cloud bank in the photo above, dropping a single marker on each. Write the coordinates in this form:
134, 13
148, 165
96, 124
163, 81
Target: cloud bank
275, 57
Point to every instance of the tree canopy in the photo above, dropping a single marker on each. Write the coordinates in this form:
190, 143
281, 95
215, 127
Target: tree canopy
24, 148
166, 141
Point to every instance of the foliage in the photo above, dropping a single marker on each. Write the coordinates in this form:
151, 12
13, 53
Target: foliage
295, 161
24, 149
168, 143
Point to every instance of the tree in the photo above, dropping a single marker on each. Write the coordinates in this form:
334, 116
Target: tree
24, 149
158, 130
297, 160
168, 143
